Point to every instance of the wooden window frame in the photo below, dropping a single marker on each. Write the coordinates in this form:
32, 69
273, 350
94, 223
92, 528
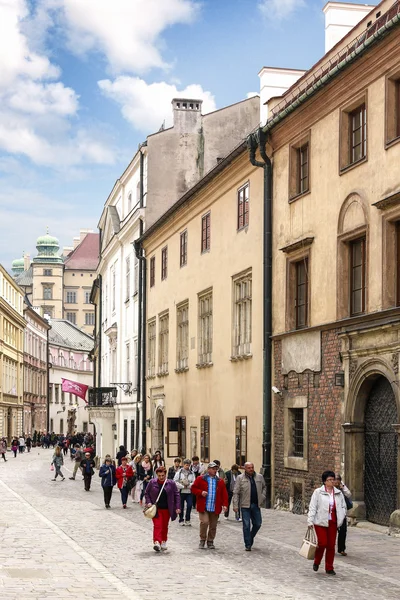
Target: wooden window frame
164, 263
240, 458
151, 347
205, 439
392, 108
358, 149
183, 240
206, 232
205, 319
152, 277
291, 459
176, 425
182, 338
297, 179
347, 160
352, 290
163, 343
127, 278
243, 206
294, 257
242, 315
299, 284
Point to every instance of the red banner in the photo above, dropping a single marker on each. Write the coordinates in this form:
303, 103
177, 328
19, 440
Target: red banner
73, 387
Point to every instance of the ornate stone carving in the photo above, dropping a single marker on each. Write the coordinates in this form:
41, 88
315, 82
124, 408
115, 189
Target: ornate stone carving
395, 362
353, 367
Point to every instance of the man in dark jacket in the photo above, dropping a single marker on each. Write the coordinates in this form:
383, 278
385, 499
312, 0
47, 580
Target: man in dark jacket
249, 493
87, 466
108, 479
230, 480
172, 471
120, 454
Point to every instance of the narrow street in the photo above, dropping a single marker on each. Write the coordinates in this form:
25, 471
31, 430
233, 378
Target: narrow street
58, 540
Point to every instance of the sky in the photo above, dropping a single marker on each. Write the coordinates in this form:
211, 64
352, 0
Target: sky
83, 82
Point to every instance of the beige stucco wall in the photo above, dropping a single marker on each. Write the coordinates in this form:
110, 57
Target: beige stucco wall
80, 282
56, 282
316, 214
226, 389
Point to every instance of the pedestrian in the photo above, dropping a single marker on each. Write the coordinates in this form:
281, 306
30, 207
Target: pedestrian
139, 483
145, 473
132, 464
58, 462
121, 452
220, 471
158, 460
342, 530
197, 469
78, 456
108, 479
65, 445
172, 471
168, 506
21, 447
326, 512
212, 499
28, 443
184, 479
14, 446
87, 466
3, 448
124, 475
249, 493
230, 480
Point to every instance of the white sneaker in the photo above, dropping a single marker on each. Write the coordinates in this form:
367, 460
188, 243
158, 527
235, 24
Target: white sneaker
157, 546
188, 524
164, 546
182, 523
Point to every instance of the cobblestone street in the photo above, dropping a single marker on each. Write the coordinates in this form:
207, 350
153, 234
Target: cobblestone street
58, 541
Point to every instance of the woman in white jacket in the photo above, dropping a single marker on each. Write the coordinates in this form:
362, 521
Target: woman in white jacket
326, 513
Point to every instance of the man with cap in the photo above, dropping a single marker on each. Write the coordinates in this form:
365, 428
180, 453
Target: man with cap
212, 499
87, 466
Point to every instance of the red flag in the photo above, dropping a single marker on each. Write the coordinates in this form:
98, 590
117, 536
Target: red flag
73, 387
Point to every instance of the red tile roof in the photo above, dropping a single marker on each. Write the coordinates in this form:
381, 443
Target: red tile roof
85, 256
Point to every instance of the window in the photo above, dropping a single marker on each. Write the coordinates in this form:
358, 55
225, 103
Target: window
71, 399
57, 394
297, 426
357, 276
138, 192
301, 302
397, 263
62, 397
89, 318
183, 248
358, 133
205, 328
242, 307
163, 324
87, 297
61, 426
353, 133
71, 298
113, 282
299, 166
47, 292
241, 441
136, 275
151, 348
132, 434
243, 206
176, 436
51, 392
393, 107
182, 337
126, 433
164, 262
295, 433
47, 310
129, 202
152, 271
71, 317
205, 232
205, 439
128, 278
85, 428
128, 366
48, 272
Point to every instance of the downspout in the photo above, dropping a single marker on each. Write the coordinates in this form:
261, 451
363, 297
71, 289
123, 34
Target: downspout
48, 381
144, 387
139, 361
141, 170
99, 330
255, 141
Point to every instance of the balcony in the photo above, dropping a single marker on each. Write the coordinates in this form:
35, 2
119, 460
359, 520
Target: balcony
102, 396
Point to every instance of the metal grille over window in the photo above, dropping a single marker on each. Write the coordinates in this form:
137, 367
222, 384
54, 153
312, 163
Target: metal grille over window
151, 350
205, 329
182, 351
163, 344
298, 432
243, 316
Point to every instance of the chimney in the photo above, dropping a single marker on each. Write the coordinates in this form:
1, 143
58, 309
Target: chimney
66, 250
187, 115
27, 261
340, 18
76, 241
83, 233
275, 82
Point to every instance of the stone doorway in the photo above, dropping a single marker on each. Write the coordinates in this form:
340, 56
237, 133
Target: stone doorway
380, 442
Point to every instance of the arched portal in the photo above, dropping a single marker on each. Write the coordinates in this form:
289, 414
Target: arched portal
380, 473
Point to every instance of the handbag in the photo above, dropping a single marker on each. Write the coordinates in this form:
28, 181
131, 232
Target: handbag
309, 544
151, 511
52, 467
349, 503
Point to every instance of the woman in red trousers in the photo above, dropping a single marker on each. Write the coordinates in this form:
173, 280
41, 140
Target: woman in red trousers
168, 506
326, 513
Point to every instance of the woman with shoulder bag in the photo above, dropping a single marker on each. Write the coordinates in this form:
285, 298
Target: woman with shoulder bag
342, 530
164, 492
326, 513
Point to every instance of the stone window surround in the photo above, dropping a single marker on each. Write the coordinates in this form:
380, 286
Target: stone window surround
296, 252
392, 115
295, 462
343, 269
345, 163
294, 146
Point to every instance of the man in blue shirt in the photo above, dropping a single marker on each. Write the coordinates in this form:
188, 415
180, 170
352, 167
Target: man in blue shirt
212, 498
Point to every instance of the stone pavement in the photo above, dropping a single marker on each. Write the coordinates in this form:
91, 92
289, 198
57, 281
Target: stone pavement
56, 540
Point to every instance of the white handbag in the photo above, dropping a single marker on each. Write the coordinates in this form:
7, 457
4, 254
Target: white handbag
151, 511
309, 544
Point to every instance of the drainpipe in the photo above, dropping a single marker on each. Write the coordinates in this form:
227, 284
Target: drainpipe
139, 361
48, 382
255, 141
141, 371
141, 188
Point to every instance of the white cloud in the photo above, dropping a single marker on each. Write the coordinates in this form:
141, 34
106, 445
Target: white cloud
126, 32
147, 106
279, 9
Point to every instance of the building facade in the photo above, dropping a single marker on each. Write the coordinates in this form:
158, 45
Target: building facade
204, 319
334, 141
35, 371
12, 325
69, 350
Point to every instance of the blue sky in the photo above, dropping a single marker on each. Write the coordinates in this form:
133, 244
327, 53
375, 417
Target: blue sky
82, 82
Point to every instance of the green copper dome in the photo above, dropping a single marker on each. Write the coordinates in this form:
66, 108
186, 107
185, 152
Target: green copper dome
47, 247
17, 266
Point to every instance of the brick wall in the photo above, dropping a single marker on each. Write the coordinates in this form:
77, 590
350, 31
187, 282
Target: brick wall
324, 419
